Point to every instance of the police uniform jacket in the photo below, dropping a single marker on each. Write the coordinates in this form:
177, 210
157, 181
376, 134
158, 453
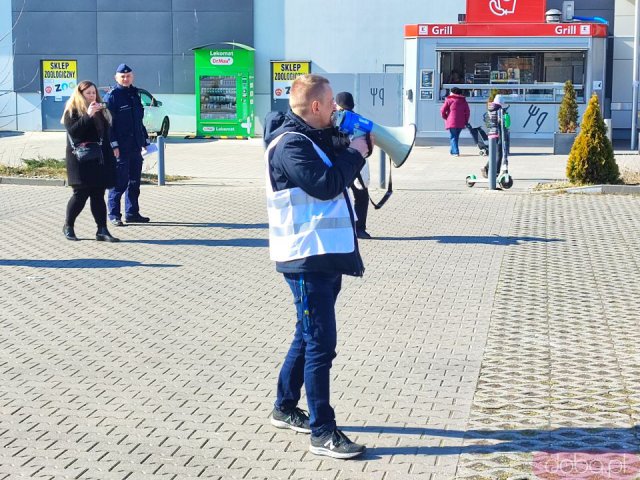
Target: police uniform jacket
127, 132
295, 163
81, 129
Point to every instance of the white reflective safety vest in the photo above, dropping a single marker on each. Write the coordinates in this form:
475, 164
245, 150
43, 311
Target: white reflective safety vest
300, 225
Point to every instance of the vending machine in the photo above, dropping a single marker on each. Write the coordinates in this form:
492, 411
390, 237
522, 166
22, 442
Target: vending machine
224, 76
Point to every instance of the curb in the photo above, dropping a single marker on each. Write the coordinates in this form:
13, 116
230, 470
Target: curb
615, 189
39, 182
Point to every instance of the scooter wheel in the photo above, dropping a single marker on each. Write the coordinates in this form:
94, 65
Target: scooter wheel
470, 182
506, 182
483, 153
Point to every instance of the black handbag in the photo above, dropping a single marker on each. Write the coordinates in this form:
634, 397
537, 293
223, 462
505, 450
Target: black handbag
87, 151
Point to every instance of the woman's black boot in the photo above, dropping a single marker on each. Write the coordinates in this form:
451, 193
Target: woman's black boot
69, 233
103, 235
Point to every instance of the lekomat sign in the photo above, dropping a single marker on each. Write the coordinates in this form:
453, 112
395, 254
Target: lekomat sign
511, 11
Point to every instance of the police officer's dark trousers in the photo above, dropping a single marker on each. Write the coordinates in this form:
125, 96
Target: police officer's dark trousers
128, 173
313, 348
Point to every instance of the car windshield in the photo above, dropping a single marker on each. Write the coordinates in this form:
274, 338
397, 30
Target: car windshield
146, 98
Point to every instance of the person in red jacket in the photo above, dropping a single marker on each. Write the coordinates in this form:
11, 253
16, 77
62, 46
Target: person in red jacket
456, 113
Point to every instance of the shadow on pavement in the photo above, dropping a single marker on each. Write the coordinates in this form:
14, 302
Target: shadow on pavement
592, 441
10, 133
230, 226
530, 154
189, 139
490, 240
229, 242
80, 263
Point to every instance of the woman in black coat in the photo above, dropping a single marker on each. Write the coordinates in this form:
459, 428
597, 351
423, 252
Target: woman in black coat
87, 121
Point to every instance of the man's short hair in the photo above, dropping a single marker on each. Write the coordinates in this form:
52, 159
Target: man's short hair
304, 90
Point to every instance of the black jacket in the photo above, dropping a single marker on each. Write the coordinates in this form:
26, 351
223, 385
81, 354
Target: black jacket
295, 163
83, 128
127, 111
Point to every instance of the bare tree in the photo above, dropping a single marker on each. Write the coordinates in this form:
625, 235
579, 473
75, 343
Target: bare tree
5, 107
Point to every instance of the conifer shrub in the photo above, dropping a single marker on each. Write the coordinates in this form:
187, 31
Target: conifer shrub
568, 113
591, 159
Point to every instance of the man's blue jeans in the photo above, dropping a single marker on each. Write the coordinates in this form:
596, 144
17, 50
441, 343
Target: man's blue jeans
313, 348
454, 135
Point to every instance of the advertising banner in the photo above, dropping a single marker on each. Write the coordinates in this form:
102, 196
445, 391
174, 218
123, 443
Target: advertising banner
506, 11
282, 76
59, 78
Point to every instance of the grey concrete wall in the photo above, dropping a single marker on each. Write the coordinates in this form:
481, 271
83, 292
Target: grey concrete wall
605, 9
154, 38
622, 104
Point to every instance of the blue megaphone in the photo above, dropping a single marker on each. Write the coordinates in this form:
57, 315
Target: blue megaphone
396, 142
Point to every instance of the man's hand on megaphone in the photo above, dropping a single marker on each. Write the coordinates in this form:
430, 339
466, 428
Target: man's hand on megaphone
361, 144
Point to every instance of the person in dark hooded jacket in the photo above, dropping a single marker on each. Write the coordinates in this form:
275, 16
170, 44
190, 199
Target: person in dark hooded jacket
312, 238
494, 126
359, 188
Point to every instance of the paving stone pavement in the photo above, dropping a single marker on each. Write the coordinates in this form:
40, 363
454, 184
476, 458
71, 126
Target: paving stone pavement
492, 331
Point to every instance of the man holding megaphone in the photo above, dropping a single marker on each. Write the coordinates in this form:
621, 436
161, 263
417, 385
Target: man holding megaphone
313, 241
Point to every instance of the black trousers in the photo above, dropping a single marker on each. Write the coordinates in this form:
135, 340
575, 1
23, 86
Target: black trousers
498, 159
78, 201
361, 206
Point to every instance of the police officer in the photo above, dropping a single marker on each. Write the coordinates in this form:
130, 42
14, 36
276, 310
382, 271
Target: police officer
128, 139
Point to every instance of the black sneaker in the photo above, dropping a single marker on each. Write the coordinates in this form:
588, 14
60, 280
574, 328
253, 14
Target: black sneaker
296, 419
335, 445
116, 222
137, 219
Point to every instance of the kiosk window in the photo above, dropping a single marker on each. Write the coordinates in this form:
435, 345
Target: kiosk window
563, 66
522, 75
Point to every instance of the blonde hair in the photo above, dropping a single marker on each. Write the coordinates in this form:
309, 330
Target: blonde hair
78, 104
304, 90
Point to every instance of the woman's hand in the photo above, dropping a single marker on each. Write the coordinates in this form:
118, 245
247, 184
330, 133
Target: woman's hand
93, 108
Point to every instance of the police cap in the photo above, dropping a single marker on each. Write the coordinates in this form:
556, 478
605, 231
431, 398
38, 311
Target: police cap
123, 68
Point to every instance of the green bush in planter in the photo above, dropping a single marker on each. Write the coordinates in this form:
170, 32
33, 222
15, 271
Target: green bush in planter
568, 113
591, 159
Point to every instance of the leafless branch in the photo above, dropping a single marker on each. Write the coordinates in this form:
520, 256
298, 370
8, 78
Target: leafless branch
16, 22
5, 124
24, 113
30, 81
